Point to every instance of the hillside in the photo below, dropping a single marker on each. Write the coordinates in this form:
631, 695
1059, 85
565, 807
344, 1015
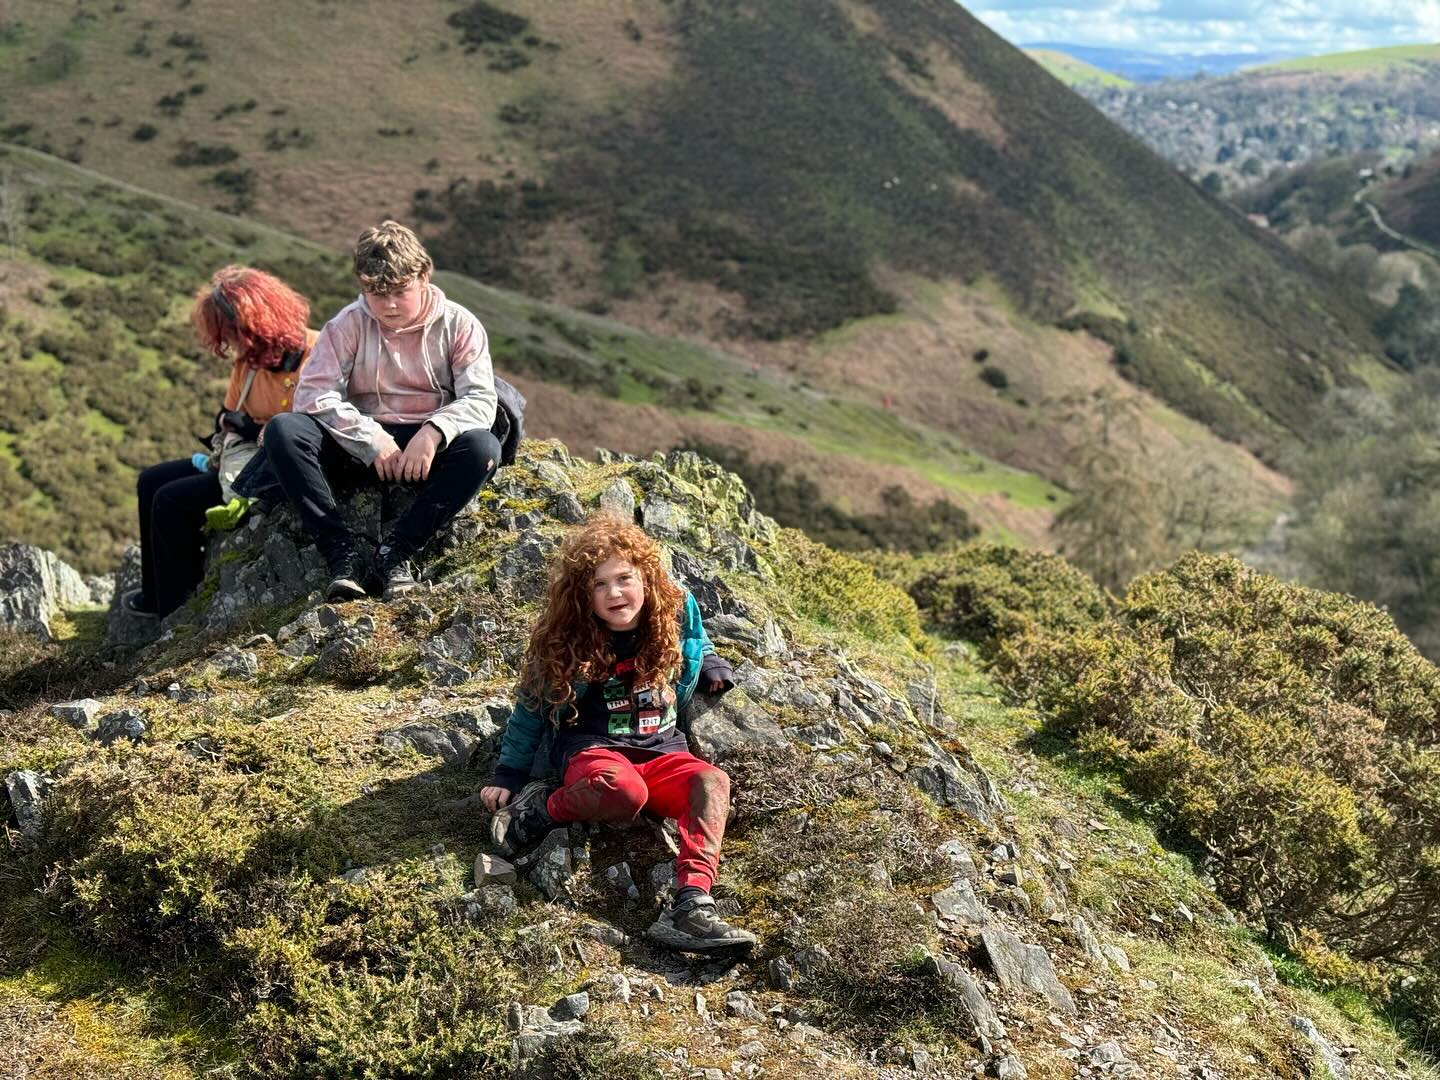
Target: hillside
1411, 202
682, 165
1398, 59
248, 853
1071, 71
92, 331
1141, 66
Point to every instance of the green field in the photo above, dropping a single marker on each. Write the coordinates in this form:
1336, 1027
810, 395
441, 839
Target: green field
1403, 57
1073, 72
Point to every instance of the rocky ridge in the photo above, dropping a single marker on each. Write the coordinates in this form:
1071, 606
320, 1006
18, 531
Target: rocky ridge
907, 926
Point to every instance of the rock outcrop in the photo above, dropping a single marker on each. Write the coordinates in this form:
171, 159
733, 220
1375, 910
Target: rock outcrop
37, 585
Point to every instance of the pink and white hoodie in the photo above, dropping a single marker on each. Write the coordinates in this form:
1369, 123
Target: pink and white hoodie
361, 374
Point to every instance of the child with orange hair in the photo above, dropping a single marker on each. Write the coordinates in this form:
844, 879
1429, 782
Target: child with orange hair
261, 324
616, 654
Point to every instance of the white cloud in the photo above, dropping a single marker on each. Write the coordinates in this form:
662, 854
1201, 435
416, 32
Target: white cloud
1301, 26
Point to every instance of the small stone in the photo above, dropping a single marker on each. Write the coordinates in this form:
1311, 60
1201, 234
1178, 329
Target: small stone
123, 724
571, 1007
1008, 1067
959, 901
78, 714
495, 902
25, 791
605, 934
612, 987
618, 500
780, 973
738, 1003
551, 865
493, 870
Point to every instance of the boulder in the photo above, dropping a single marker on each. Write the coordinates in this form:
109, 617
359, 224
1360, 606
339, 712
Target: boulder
36, 585
720, 727
1019, 966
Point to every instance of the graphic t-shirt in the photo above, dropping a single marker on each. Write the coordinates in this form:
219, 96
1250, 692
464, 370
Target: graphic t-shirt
615, 713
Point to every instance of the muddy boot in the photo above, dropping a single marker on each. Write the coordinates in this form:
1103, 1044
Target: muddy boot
523, 822
691, 925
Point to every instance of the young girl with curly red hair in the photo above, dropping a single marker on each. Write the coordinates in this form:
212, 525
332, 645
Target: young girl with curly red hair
258, 323
616, 654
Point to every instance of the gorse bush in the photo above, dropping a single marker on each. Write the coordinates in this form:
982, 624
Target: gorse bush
1288, 734
987, 593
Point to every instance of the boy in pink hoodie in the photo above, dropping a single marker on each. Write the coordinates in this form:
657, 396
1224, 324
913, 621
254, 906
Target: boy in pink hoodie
399, 388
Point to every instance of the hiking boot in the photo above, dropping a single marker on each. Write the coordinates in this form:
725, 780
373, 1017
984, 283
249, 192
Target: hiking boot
397, 575
133, 602
692, 926
523, 821
347, 574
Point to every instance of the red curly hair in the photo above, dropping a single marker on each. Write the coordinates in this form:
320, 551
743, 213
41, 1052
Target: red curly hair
253, 314
570, 642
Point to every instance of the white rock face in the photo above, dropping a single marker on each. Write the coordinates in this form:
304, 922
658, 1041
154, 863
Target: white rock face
36, 585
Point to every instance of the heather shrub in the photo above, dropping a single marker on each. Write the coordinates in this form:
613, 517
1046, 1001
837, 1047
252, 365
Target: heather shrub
1288, 734
987, 592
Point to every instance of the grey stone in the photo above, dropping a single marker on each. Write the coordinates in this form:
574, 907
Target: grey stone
337, 657
550, 866
605, 934
1118, 957
738, 1003
719, 727
536, 1035
493, 870
441, 670
35, 586
25, 792
1020, 966
780, 973
622, 881
664, 518
960, 857
1326, 1056
1089, 943
451, 746
618, 499
236, 664
987, 1025
78, 714
571, 1007
948, 785
521, 569
564, 506
612, 987
122, 724
1008, 1067
958, 901
826, 735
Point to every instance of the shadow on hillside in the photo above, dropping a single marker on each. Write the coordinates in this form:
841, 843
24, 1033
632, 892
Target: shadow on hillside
401, 820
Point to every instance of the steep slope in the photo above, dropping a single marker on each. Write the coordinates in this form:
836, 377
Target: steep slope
1411, 203
251, 855
687, 162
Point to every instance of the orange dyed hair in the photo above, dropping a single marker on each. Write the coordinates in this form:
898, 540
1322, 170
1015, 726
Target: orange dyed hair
253, 314
569, 642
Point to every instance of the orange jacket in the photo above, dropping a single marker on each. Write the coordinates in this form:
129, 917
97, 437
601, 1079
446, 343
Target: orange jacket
272, 391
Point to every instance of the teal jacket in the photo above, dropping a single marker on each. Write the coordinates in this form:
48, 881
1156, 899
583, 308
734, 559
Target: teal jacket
526, 727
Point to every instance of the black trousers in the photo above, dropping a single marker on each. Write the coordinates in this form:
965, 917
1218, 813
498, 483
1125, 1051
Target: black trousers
173, 498
310, 464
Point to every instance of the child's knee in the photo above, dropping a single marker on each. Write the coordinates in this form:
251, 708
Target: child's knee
711, 785
620, 794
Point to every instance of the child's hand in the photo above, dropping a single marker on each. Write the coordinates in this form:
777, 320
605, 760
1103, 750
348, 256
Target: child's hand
494, 797
414, 465
714, 686
387, 461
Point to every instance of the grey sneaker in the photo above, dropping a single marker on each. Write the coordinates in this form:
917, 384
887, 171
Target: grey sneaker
397, 578
523, 821
693, 926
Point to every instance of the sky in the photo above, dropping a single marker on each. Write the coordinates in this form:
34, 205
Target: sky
1303, 27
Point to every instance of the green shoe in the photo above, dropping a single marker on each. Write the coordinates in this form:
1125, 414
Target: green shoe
227, 517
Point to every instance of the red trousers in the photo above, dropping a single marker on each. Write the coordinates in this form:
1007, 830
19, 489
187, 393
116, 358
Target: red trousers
604, 785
